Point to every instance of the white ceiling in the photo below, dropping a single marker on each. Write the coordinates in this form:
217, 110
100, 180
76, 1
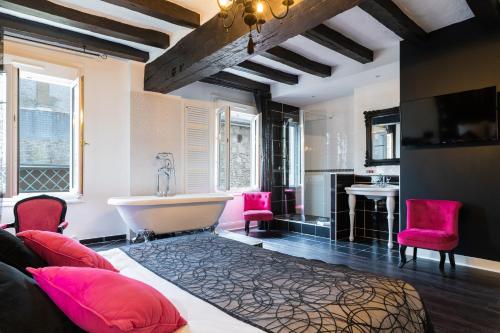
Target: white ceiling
206, 8
432, 15
355, 24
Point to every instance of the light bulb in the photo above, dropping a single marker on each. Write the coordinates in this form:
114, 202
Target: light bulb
260, 7
225, 3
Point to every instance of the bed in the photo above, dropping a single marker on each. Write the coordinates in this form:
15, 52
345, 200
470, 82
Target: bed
220, 285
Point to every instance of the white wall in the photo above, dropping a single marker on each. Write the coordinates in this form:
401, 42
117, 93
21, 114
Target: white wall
107, 130
328, 144
335, 135
328, 135
372, 97
125, 128
200, 91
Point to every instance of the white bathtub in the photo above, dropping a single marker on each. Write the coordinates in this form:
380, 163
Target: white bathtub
163, 215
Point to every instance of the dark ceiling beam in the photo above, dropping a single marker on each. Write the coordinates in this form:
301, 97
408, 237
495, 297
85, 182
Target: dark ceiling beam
337, 42
46, 34
254, 68
295, 60
63, 15
393, 18
163, 10
487, 11
229, 80
209, 49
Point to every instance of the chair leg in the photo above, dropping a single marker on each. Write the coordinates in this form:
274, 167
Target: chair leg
247, 227
267, 225
451, 255
442, 254
415, 254
402, 255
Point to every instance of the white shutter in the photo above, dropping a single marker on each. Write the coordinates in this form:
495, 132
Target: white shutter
197, 149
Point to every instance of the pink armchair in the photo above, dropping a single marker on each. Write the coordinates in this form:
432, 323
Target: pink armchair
256, 207
432, 225
41, 212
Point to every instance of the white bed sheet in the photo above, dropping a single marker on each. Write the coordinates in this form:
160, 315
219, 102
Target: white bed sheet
201, 316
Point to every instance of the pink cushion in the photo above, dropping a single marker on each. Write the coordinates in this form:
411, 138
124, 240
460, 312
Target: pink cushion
100, 301
257, 201
428, 239
433, 214
258, 215
59, 250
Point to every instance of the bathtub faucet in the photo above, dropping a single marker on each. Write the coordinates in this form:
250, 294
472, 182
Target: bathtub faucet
165, 177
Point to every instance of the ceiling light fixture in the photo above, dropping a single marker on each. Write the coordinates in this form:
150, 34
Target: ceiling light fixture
252, 12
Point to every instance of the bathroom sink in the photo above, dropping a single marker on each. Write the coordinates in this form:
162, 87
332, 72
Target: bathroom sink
375, 187
373, 191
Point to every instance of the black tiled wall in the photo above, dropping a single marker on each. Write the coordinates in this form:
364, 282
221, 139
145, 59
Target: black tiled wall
283, 201
368, 223
339, 205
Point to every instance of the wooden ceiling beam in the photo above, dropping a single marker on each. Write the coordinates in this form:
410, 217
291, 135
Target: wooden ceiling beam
487, 11
229, 80
163, 10
393, 18
337, 42
254, 68
295, 60
210, 49
46, 34
50, 11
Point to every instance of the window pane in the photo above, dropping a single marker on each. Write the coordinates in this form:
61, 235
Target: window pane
221, 151
241, 150
3, 132
294, 154
44, 136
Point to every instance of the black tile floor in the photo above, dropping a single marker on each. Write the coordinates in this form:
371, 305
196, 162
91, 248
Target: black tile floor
462, 300
361, 248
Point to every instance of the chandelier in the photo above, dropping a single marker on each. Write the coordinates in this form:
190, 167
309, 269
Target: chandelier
252, 12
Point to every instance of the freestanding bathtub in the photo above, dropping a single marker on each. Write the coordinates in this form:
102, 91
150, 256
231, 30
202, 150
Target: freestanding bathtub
163, 215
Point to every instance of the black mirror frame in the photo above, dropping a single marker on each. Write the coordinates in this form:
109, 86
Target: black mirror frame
369, 115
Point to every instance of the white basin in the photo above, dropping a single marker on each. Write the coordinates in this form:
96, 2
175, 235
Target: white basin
372, 190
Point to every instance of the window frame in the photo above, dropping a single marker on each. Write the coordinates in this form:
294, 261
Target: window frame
12, 137
228, 108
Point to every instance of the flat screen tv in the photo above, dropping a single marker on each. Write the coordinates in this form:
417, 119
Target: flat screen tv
469, 117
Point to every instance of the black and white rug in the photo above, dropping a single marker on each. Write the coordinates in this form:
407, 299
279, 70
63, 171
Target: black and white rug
280, 293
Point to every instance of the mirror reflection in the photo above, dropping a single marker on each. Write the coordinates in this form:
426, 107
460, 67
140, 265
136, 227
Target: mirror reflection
383, 132
385, 143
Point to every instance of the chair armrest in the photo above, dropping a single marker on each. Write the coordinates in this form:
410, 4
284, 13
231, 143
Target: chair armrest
7, 226
62, 226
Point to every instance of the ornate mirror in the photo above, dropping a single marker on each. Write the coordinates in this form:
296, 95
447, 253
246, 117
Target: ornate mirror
383, 131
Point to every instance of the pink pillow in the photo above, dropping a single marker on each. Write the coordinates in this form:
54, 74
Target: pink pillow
100, 301
59, 250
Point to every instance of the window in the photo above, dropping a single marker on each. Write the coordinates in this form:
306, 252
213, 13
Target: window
42, 152
3, 133
294, 154
237, 148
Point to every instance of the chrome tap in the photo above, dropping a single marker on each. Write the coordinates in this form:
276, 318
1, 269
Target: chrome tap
165, 177
382, 180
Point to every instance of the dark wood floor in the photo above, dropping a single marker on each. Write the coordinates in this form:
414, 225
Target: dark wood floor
463, 300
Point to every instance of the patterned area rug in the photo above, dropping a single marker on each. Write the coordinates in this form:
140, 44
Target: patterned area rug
280, 293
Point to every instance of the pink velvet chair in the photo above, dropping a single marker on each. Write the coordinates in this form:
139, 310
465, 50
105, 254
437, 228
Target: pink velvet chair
256, 207
432, 225
41, 212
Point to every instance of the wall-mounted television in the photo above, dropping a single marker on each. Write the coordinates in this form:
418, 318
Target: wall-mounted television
469, 117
